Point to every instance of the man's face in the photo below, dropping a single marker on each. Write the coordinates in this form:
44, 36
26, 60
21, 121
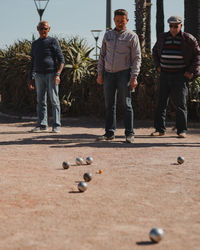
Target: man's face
43, 30
175, 28
120, 22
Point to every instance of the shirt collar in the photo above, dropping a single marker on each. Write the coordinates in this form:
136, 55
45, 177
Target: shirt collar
119, 31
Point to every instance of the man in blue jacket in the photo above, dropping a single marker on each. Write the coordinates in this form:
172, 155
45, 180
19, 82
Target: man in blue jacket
47, 62
176, 56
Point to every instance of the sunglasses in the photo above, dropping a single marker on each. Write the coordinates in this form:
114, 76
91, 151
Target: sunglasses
173, 26
44, 28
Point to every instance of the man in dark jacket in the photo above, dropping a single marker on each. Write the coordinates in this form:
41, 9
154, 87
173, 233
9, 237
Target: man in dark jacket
47, 63
176, 56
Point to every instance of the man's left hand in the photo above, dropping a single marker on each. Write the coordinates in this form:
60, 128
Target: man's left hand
133, 83
188, 75
57, 80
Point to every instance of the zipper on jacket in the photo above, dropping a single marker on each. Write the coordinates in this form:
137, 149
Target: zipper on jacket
113, 57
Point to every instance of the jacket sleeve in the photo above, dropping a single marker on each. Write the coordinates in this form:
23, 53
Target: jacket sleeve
58, 51
195, 64
135, 57
101, 62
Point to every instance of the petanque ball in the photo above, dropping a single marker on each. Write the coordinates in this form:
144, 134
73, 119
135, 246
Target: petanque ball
82, 186
65, 164
87, 177
79, 161
156, 234
180, 160
89, 160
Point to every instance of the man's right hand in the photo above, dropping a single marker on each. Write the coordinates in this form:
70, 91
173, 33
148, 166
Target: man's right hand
31, 85
159, 69
100, 79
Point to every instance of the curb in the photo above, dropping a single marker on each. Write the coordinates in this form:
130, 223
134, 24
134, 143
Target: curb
18, 116
190, 124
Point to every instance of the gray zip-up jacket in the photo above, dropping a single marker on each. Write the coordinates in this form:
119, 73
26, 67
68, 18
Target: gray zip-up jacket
120, 51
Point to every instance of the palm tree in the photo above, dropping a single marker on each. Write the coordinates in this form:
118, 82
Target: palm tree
159, 17
148, 26
192, 17
140, 20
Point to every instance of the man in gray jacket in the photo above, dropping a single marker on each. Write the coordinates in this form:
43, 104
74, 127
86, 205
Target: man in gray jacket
118, 68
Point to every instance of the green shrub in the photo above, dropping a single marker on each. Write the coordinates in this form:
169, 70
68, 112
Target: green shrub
79, 92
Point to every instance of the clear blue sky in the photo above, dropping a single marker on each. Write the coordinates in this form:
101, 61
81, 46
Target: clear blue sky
19, 18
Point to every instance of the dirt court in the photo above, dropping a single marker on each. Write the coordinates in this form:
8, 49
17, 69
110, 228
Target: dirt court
141, 187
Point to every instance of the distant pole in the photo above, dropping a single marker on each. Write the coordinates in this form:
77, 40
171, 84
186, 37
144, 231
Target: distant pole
96, 34
108, 15
41, 6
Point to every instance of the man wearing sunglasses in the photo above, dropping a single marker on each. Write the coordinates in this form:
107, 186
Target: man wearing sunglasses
118, 68
47, 62
176, 56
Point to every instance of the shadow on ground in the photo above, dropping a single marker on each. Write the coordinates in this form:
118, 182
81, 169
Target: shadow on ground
89, 140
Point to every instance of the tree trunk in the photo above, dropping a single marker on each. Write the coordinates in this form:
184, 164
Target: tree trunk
148, 26
140, 20
159, 17
192, 18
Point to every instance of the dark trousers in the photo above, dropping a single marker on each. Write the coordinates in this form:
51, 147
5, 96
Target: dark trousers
174, 85
113, 82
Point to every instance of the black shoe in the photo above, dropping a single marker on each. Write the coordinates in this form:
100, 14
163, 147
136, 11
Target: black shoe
129, 138
106, 136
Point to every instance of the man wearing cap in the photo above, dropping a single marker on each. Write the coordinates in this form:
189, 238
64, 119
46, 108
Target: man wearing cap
118, 68
176, 56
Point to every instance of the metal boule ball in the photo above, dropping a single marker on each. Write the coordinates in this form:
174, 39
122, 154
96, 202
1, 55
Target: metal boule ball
180, 160
79, 161
65, 164
87, 177
156, 234
89, 160
82, 186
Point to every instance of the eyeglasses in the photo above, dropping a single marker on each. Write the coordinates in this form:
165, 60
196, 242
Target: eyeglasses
44, 28
173, 26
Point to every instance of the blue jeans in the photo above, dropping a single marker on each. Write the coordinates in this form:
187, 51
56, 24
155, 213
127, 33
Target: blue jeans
112, 82
45, 83
174, 85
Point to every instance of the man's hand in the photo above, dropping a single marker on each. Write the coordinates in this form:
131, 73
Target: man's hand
188, 75
133, 83
57, 80
31, 85
100, 79
158, 69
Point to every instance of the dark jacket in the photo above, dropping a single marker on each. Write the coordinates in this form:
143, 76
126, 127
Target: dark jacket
45, 54
190, 51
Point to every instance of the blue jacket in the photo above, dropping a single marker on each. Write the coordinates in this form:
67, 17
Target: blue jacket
45, 55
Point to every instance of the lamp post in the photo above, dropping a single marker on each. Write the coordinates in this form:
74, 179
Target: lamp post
96, 34
108, 15
41, 6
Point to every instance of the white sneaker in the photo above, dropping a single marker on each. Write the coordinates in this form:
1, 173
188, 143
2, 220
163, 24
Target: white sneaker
56, 130
182, 135
39, 129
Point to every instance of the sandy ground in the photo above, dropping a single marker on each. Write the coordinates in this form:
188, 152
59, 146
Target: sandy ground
141, 187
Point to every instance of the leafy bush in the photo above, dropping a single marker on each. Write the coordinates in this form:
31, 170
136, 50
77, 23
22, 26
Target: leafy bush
79, 92
194, 99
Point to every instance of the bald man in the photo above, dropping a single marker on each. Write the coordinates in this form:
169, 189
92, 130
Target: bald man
47, 62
